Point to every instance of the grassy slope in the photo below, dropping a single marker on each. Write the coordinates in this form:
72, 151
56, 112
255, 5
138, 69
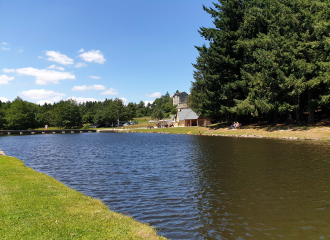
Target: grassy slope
36, 206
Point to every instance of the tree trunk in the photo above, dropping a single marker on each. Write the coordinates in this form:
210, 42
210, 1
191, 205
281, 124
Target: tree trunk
311, 108
290, 118
276, 117
298, 118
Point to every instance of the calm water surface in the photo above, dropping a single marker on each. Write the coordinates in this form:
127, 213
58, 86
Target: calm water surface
193, 187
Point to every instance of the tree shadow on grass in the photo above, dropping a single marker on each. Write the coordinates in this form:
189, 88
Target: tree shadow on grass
273, 127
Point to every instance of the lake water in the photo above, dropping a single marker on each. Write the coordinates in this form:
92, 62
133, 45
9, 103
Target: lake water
193, 187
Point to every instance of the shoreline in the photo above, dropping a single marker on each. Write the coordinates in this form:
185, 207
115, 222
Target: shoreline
311, 133
314, 134
35, 205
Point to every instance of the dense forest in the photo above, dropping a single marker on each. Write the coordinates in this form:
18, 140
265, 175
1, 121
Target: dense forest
266, 60
20, 114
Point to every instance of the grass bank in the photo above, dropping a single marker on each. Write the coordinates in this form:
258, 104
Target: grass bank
268, 131
36, 206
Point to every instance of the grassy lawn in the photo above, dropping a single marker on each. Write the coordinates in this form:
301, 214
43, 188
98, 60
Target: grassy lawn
49, 128
142, 120
276, 131
175, 130
36, 206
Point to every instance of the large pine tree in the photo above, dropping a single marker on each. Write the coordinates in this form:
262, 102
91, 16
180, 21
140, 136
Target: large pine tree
267, 57
217, 75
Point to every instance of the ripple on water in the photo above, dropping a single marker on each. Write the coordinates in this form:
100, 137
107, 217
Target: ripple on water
193, 187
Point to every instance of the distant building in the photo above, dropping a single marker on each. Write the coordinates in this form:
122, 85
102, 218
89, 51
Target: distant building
187, 117
180, 99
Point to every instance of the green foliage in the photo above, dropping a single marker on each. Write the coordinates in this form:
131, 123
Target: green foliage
21, 115
158, 113
86, 126
173, 111
69, 114
268, 56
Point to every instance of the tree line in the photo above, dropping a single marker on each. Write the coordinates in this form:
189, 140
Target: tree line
20, 114
265, 60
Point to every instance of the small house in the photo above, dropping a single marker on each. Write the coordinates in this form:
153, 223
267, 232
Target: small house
187, 117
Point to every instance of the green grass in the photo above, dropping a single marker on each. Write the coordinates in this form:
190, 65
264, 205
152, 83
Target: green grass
36, 206
49, 128
142, 120
175, 130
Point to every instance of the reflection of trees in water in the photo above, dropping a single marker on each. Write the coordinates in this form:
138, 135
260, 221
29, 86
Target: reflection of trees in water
256, 187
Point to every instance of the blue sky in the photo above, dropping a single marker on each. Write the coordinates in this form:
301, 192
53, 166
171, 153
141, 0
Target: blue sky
92, 50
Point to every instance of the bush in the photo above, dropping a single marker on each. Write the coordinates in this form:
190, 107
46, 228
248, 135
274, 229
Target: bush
86, 126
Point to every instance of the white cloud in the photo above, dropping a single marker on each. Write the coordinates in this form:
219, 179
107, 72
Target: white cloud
44, 76
156, 94
4, 79
6, 70
42, 102
21, 50
81, 100
42, 94
84, 87
93, 56
57, 98
95, 77
80, 64
4, 43
3, 99
56, 67
125, 101
40, 57
110, 91
59, 58
81, 50
146, 102
5, 48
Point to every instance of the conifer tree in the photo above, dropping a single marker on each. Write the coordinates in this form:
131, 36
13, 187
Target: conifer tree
217, 75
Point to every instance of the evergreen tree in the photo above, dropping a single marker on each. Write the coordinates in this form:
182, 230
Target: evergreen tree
289, 64
217, 75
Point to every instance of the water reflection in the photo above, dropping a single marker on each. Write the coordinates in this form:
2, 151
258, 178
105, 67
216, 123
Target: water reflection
193, 187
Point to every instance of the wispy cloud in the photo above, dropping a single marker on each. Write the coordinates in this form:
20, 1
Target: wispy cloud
95, 77
56, 67
80, 64
81, 50
91, 87
59, 58
110, 91
5, 48
4, 79
6, 70
45, 76
93, 56
4, 43
156, 94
